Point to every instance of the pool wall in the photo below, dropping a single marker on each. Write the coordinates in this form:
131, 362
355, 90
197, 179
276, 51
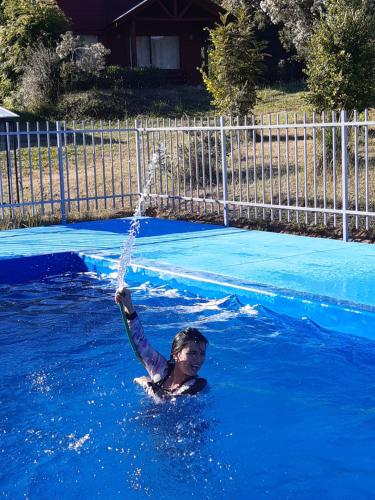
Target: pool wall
327, 282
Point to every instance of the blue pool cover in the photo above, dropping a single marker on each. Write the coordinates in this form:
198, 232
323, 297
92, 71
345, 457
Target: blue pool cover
328, 281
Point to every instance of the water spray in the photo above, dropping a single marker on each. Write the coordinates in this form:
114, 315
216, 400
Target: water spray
133, 232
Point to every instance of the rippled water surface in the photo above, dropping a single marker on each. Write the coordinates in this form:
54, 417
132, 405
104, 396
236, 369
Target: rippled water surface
290, 412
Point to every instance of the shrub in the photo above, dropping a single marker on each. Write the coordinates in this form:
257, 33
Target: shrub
25, 26
40, 80
93, 104
235, 61
341, 60
118, 77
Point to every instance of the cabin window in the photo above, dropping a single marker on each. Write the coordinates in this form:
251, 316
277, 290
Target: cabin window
159, 51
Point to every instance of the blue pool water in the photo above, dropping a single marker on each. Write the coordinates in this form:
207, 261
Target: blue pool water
290, 412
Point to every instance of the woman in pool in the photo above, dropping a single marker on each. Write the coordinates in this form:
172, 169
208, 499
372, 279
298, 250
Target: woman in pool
179, 375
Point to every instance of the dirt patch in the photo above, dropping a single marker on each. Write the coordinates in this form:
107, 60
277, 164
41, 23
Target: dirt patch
359, 235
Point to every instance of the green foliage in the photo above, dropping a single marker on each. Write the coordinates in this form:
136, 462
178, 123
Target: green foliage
25, 25
235, 62
133, 78
341, 59
95, 104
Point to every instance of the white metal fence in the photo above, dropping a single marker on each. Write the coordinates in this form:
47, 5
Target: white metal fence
283, 168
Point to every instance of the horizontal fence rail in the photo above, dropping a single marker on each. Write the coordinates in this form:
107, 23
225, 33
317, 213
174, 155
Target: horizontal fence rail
283, 168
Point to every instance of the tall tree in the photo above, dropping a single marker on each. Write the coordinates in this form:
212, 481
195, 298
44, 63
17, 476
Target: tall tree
341, 57
25, 24
235, 61
297, 18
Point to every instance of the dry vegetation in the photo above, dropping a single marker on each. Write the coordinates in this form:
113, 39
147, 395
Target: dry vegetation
267, 166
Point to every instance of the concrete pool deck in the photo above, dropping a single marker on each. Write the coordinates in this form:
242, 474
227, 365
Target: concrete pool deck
331, 270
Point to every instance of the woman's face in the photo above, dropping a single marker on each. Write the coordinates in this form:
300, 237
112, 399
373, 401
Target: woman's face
191, 357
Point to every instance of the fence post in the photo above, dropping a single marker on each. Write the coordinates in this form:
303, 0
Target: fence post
61, 171
9, 169
138, 158
344, 174
224, 166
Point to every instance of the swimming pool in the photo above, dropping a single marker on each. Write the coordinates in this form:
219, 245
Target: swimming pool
289, 413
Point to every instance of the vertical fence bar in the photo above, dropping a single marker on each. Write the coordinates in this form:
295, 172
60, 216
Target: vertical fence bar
356, 189
271, 162
239, 164
120, 162
262, 164
138, 158
367, 194
305, 167
324, 153
67, 165
196, 161
344, 165
247, 167
334, 169
112, 164
40, 168
94, 164
183, 163
209, 158
315, 173
217, 166
2, 201
224, 166
102, 154
74, 125
19, 148
9, 169
48, 133
31, 174
85, 163
148, 149
61, 170
203, 166
296, 166
287, 164
232, 164
165, 163
279, 163
172, 163
255, 177
178, 164
129, 165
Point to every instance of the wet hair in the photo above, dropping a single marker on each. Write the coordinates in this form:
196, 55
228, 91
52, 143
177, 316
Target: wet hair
185, 336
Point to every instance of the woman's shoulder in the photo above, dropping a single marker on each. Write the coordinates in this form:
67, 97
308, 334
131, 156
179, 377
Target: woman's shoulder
197, 386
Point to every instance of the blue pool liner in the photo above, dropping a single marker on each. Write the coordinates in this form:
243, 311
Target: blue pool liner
326, 281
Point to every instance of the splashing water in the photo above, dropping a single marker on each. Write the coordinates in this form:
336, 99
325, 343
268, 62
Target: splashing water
129, 242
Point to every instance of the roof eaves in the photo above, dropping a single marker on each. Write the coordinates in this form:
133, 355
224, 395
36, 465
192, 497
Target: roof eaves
125, 14
5, 113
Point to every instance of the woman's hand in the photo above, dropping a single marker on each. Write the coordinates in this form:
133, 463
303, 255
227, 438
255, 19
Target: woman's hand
123, 296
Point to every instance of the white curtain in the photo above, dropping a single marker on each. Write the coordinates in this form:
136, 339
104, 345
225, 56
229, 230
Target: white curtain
143, 51
165, 52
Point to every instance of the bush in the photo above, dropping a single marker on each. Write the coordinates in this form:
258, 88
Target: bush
73, 79
93, 104
117, 77
235, 61
25, 26
341, 60
40, 81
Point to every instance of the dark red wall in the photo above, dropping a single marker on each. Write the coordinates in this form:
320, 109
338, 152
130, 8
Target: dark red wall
95, 17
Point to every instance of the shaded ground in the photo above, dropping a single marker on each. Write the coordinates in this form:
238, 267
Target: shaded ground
360, 235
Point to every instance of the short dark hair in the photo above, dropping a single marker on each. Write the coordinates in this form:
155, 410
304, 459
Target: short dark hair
185, 336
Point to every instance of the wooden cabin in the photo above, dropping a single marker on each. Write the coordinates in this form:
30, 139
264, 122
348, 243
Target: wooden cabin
166, 34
